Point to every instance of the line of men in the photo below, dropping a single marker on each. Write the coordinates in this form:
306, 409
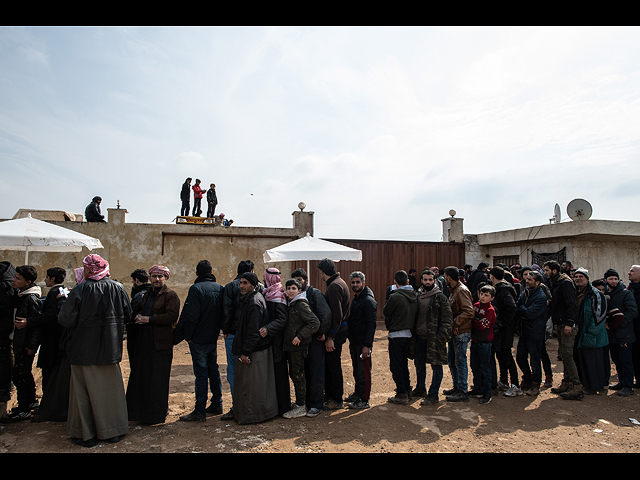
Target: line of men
275, 333
595, 323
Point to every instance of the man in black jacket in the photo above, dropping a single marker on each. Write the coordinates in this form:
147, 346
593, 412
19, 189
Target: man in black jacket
478, 276
231, 309
92, 213
564, 315
212, 201
199, 325
95, 312
26, 340
185, 197
314, 365
7, 294
338, 298
362, 329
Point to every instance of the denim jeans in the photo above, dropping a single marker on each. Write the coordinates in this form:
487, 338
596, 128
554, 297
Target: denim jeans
529, 359
481, 367
457, 357
205, 368
420, 363
623, 359
231, 363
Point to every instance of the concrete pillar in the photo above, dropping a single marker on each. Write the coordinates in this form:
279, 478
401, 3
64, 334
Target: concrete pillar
303, 223
117, 216
452, 230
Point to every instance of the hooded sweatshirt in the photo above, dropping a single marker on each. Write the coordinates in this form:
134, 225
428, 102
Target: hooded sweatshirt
400, 311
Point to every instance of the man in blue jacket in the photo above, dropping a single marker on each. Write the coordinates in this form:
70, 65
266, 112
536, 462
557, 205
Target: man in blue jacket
532, 310
199, 325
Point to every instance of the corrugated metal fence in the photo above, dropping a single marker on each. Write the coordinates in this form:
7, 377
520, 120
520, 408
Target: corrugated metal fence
382, 259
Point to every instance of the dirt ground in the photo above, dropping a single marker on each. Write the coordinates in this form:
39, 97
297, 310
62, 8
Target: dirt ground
546, 423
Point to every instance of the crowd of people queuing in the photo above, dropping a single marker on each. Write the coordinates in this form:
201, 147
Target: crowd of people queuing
282, 332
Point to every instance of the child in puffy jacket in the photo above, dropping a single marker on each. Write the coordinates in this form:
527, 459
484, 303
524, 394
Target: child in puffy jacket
481, 339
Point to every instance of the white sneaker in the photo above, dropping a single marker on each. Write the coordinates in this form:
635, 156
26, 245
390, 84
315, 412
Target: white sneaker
513, 392
296, 411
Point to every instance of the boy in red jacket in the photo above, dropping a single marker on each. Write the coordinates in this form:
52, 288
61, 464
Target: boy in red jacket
481, 338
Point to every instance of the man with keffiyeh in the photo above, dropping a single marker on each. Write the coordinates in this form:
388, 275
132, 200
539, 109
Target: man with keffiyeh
94, 313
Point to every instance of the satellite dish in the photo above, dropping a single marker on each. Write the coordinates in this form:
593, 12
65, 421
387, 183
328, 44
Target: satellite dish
556, 214
579, 209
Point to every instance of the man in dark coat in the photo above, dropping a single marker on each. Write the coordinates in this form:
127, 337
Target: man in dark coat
26, 340
362, 329
141, 285
185, 197
504, 304
478, 276
564, 315
95, 312
92, 213
199, 325
622, 337
212, 201
50, 355
7, 293
634, 287
231, 309
339, 299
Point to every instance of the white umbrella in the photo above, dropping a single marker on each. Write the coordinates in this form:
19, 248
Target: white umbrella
311, 248
30, 234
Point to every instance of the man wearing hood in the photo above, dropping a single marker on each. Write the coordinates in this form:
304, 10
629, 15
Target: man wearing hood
362, 329
478, 276
622, 337
7, 293
433, 332
199, 326
26, 340
400, 311
564, 315
504, 304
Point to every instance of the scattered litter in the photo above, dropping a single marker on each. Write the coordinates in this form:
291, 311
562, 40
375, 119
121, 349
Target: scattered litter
634, 421
604, 421
597, 430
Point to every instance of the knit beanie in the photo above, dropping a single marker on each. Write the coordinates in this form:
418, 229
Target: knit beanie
583, 271
611, 273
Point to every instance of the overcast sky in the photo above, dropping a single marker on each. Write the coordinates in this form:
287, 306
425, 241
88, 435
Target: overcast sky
380, 131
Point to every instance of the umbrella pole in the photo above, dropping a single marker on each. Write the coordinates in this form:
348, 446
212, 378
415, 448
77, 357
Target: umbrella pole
308, 272
26, 255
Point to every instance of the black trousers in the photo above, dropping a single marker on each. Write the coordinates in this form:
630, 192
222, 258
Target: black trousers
333, 381
211, 210
184, 211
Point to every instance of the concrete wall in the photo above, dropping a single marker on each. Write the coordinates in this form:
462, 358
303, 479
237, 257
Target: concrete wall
180, 247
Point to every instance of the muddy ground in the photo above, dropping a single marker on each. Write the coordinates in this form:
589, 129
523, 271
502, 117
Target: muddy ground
546, 423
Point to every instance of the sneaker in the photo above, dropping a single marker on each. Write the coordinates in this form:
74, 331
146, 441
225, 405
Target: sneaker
227, 416
450, 392
352, 398
418, 392
360, 404
314, 412
296, 411
193, 417
502, 387
458, 397
534, 390
513, 391
575, 393
15, 416
399, 398
475, 393
548, 381
430, 400
332, 405
486, 399
626, 392
617, 386
214, 409
563, 388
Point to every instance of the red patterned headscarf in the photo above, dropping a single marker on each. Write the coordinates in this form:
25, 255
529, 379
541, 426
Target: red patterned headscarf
98, 266
160, 269
274, 291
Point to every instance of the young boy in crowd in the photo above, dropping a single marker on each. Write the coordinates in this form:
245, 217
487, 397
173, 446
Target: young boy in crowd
302, 324
481, 339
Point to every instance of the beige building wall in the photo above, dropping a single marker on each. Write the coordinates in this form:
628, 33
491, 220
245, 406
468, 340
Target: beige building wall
179, 247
